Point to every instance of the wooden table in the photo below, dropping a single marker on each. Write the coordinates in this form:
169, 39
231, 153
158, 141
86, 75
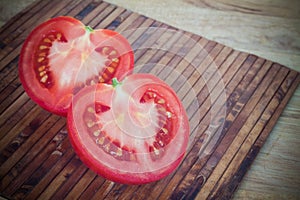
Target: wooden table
270, 31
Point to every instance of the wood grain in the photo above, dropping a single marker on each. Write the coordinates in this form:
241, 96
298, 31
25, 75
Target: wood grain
257, 91
275, 8
270, 29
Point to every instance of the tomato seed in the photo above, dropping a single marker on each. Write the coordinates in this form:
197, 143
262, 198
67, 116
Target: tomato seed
96, 133
42, 68
58, 36
113, 53
114, 64
42, 73
42, 47
105, 50
44, 78
105, 76
101, 80
161, 143
40, 59
169, 114
106, 147
165, 130
161, 101
90, 123
110, 69
92, 82
114, 149
100, 140
91, 110
119, 152
47, 40
116, 60
154, 153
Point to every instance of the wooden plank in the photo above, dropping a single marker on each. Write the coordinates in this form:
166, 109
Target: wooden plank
230, 97
12, 127
13, 108
19, 140
232, 132
33, 159
11, 25
72, 180
20, 154
7, 96
94, 186
48, 177
248, 151
57, 146
81, 186
101, 15
60, 179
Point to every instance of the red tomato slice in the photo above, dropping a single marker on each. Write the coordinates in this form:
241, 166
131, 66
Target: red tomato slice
62, 55
133, 132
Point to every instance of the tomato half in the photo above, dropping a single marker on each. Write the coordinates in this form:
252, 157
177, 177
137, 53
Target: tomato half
132, 132
62, 55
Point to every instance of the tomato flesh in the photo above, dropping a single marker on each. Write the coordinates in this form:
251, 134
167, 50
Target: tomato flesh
42, 69
62, 55
133, 133
166, 121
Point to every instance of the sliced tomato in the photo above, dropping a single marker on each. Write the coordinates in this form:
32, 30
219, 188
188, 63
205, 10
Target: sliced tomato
132, 132
62, 55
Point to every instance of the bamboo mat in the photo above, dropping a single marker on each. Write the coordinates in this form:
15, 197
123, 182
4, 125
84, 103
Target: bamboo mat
233, 100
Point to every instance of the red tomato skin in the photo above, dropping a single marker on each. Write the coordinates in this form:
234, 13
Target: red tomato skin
27, 56
117, 175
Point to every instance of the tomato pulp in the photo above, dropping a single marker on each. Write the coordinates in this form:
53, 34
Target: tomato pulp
132, 132
62, 55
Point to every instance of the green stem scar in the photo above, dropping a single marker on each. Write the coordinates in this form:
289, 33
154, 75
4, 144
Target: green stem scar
115, 82
88, 28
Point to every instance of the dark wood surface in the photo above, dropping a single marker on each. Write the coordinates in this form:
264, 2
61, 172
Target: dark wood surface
37, 160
